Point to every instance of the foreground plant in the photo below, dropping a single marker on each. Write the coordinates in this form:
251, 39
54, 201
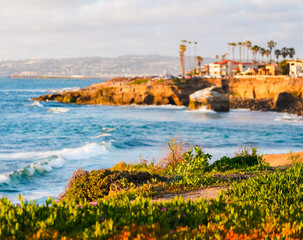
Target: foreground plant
263, 207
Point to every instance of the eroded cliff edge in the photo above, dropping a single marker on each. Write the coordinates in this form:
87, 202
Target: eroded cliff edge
268, 93
125, 91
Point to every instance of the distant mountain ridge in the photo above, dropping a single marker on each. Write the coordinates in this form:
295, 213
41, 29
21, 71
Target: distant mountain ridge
128, 65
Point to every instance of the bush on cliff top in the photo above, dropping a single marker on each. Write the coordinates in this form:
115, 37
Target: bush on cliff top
182, 169
247, 159
99, 183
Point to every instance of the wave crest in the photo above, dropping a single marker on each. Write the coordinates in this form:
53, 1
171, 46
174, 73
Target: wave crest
47, 161
58, 110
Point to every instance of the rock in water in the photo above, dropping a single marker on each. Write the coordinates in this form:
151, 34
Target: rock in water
213, 98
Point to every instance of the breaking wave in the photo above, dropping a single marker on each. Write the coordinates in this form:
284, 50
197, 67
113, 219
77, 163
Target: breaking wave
168, 106
49, 160
36, 104
58, 110
203, 109
289, 118
64, 90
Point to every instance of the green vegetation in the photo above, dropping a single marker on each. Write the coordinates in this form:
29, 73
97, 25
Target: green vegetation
98, 205
100, 183
246, 160
284, 67
139, 81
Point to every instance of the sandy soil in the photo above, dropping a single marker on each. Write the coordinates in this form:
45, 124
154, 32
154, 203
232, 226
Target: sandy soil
275, 160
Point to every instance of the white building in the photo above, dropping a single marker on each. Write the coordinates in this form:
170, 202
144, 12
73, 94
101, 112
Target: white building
227, 67
296, 67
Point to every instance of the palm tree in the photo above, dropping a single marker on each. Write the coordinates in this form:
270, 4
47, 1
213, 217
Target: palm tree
195, 48
189, 43
240, 44
291, 52
257, 48
248, 45
284, 52
182, 50
262, 52
277, 53
224, 56
199, 61
254, 50
217, 57
233, 45
271, 44
267, 52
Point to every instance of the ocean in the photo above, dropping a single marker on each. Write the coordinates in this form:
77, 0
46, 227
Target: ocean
43, 143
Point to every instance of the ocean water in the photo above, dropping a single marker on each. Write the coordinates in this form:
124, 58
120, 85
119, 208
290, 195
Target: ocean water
43, 143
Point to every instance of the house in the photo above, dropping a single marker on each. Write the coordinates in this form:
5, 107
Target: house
227, 67
296, 67
269, 69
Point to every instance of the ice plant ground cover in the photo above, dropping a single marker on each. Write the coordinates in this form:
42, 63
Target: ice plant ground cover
266, 206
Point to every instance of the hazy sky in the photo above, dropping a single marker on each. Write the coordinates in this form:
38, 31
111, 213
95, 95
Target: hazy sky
110, 28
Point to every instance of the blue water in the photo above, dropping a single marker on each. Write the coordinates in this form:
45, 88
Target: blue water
43, 143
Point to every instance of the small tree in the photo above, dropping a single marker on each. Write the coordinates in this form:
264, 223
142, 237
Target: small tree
284, 67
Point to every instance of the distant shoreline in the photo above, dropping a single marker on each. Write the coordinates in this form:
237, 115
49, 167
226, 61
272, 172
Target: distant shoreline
55, 77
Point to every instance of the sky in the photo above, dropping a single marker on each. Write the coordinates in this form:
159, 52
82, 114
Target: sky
33, 29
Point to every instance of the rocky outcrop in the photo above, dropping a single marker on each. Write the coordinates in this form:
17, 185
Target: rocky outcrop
283, 100
257, 93
271, 93
263, 104
125, 92
212, 98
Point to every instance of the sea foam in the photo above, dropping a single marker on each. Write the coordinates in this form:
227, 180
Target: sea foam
36, 104
47, 161
202, 109
289, 118
58, 110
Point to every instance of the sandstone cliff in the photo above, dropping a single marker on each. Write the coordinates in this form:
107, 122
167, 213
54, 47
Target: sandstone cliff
132, 91
267, 93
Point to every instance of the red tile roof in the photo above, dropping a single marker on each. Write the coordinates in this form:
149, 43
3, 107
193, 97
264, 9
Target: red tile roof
226, 61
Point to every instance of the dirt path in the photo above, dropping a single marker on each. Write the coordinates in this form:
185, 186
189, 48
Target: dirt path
206, 193
275, 160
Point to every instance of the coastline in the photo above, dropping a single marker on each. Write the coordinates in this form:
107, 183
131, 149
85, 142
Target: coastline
281, 94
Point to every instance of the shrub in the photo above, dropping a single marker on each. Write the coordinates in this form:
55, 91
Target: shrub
98, 183
139, 81
192, 170
143, 165
246, 159
174, 155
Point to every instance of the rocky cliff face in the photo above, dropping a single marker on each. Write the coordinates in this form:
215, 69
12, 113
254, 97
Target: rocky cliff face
260, 93
267, 93
129, 91
265, 87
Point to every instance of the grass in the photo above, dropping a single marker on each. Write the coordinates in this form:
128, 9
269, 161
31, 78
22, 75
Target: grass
138, 81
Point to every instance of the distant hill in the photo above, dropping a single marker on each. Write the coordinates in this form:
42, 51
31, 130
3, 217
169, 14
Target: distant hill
129, 65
